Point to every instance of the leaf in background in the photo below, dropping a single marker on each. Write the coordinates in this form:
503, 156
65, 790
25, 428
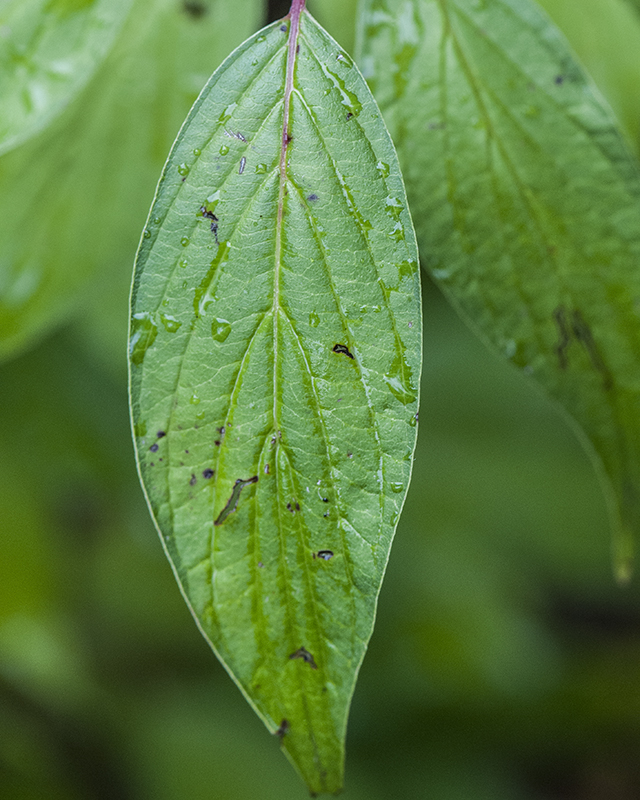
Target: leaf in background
275, 361
605, 35
73, 200
50, 50
338, 18
527, 206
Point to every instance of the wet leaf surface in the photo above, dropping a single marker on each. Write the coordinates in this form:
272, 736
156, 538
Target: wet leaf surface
527, 207
275, 417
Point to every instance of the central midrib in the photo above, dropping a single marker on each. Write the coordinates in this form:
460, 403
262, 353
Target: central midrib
294, 28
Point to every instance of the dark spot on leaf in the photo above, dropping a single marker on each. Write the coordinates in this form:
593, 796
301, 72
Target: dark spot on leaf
559, 80
312, 197
349, 455
283, 28
293, 507
266, 469
349, 114
326, 515
287, 139
298, 49
193, 480
573, 325
232, 502
305, 655
160, 434
260, 564
154, 448
325, 555
342, 348
207, 473
283, 729
194, 8
221, 430
325, 499
243, 163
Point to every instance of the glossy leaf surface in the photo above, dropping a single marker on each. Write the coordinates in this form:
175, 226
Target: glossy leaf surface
49, 49
527, 206
74, 198
275, 361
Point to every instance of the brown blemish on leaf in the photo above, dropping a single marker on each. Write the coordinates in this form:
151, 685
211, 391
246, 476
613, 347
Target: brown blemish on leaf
283, 729
305, 655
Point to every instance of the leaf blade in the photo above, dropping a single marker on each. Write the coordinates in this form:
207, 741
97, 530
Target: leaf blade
279, 516
527, 204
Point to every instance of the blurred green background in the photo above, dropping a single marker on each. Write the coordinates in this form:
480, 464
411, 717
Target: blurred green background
505, 663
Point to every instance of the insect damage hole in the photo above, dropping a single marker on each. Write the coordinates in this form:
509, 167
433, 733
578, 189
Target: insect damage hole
342, 349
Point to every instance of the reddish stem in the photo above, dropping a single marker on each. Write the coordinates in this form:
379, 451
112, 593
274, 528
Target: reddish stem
297, 7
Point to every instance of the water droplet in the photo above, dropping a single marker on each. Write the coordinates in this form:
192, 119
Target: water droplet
261, 39
396, 488
349, 99
394, 519
183, 263
171, 324
261, 168
397, 234
398, 379
200, 415
314, 319
185, 284
254, 63
156, 220
377, 309
184, 241
406, 269
194, 399
220, 329
413, 420
383, 169
393, 207
223, 150
197, 152
143, 334
226, 114
343, 58
146, 233
183, 169
140, 428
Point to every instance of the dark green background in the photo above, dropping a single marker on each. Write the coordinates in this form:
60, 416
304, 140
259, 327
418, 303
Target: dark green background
505, 662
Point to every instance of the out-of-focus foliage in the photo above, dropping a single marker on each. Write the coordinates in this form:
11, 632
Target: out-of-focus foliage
73, 199
505, 663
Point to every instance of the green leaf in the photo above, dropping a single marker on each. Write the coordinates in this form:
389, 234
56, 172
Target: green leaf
275, 364
50, 50
74, 198
527, 206
605, 35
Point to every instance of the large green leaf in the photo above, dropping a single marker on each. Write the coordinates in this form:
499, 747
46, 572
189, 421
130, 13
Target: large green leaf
50, 49
527, 206
275, 361
73, 199
605, 35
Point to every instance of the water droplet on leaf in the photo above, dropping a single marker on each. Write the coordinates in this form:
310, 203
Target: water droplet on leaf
183, 169
143, 334
171, 324
184, 241
396, 488
220, 329
314, 319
